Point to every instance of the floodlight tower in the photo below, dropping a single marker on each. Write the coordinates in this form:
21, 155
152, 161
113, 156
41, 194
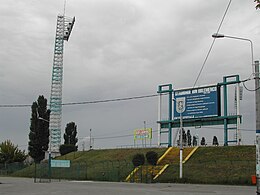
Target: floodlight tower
63, 30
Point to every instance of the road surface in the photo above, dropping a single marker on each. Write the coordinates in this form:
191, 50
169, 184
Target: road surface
25, 186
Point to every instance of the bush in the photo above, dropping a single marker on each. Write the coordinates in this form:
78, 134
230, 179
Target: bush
67, 148
138, 160
152, 157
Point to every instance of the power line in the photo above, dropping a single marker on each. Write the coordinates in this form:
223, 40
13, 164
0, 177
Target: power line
116, 132
118, 136
222, 128
130, 135
211, 46
113, 137
85, 102
251, 90
110, 100
15, 105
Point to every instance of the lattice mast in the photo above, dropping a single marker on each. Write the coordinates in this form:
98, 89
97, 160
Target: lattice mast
63, 30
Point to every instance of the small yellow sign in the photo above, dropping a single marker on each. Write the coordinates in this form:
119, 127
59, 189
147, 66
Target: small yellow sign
141, 134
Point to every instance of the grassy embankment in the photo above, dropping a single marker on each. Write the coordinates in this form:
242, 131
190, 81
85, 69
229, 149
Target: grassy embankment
214, 165
106, 165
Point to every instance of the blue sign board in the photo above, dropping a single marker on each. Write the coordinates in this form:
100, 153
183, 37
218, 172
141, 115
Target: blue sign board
60, 163
197, 102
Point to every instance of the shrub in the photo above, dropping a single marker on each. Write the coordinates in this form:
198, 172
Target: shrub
152, 157
138, 160
67, 148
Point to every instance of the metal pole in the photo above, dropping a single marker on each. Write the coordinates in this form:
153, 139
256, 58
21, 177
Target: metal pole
49, 168
170, 117
238, 113
225, 113
159, 119
257, 105
251, 47
217, 35
181, 146
90, 146
145, 134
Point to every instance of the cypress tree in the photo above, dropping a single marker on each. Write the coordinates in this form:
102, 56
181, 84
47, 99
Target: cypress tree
39, 129
70, 139
70, 135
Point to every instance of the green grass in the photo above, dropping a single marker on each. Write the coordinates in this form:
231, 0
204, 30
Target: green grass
108, 165
216, 165
209, 165
108, 154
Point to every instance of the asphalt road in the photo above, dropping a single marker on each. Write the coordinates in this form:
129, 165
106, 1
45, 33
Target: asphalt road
24, 186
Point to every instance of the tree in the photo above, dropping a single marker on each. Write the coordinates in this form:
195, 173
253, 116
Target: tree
10, 153
189, 137
152, 157
70, 135
257, 4
203, 141
215, 141
70, 139
39, 129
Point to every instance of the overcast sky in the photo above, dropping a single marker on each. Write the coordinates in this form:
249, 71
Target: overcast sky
117, 49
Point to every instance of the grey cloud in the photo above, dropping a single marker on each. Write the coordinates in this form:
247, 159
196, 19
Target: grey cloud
118, 49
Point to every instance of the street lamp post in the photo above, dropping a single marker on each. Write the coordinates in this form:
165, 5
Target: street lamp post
255, 71
217, 35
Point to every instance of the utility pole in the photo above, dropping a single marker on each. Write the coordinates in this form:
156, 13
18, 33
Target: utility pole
257, 105
255, 70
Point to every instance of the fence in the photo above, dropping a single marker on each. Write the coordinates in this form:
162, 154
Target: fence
8, 169
215, 172
103, 171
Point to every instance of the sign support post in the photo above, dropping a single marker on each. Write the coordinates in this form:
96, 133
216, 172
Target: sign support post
180, 109
181, 145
